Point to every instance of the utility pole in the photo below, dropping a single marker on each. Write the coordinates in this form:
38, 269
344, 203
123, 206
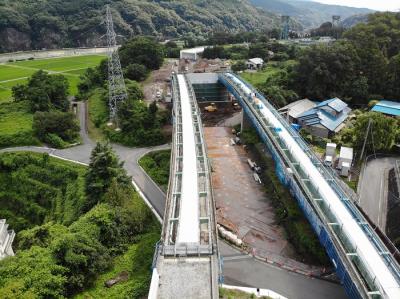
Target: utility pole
366, 138
116, 84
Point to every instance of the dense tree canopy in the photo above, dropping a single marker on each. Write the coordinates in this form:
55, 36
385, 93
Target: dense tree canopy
44, 92
142, 50
364, 66
61, 124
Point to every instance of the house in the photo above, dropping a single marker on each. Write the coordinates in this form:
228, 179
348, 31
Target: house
6, 239
292, 111
192, 54
387, 107
326, 118
255, 63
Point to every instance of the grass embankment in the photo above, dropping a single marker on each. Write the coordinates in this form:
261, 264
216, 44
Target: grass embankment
156, 165
16, 125
98, 114
271, 68
136, 262
289, 214
35, 188
61, 251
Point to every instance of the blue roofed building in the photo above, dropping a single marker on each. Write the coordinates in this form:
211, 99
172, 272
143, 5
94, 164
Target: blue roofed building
387, 107
326, 118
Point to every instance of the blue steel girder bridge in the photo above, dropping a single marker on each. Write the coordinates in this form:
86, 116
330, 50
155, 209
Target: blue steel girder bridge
363, 262
186, 262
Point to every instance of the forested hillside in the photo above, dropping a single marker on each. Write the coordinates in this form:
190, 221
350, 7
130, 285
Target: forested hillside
310, 14
70, 23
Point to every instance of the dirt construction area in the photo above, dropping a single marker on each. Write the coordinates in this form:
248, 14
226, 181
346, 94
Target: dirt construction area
242, 206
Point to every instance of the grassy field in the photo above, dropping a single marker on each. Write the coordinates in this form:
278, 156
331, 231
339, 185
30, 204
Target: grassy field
18, 72
269, 71
16, 125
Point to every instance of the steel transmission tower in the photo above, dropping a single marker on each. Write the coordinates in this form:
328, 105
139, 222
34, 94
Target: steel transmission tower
285, 27
336, 25
116, 84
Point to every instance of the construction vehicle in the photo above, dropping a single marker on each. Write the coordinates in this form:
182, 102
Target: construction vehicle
211, 108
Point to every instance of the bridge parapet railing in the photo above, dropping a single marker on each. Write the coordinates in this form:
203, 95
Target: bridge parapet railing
187, 250
312, 192
206, 211
172, 209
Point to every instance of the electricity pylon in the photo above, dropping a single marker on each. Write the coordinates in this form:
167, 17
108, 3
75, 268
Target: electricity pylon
285, 27
116, 84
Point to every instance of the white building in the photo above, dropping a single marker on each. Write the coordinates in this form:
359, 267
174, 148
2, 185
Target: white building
6, 239
255, 63
345, 159
330, 153
191, 54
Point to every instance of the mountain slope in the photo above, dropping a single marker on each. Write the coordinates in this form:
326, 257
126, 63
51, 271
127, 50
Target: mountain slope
69, 23
310, 14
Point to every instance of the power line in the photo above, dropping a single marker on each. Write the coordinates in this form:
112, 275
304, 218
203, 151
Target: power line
116, 84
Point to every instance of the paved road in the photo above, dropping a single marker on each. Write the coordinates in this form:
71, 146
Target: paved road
244, 270
373, 198
239, 269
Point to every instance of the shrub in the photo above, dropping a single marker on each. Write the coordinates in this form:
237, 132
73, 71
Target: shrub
54, 141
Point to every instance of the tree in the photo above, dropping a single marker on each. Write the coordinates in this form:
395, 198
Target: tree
137, 72
63, 124
103, 168
134, 90
33, 274
259, 50
214, 52
394, 77
44, 92
239, 66
142, 50
327, 72
83, 255
139, 124
384, 131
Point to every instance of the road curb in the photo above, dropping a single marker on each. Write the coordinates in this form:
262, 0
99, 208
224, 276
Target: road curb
145, 199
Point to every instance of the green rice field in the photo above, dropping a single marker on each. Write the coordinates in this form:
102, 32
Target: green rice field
18, 72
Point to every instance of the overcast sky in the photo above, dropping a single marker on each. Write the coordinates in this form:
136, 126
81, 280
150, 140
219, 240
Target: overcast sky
392, 5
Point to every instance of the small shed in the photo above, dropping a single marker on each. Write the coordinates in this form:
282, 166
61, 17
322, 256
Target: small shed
255, 63
345, 157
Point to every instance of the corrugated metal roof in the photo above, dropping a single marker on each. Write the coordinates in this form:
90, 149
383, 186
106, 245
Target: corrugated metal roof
319, 116
256, 60
387, 107
297, 108
335, 103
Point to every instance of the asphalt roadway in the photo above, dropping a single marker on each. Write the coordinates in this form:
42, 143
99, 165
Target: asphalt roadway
238, 268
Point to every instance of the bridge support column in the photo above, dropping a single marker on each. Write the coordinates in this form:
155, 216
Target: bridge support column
245, 123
